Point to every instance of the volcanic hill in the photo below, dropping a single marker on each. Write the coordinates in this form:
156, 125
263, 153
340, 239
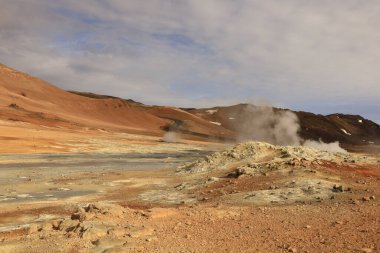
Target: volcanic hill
28, 99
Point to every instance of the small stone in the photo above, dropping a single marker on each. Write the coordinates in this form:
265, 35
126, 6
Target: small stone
366, 250
293, 250
55, 224
372, 198
70, 234
93, 233
47, 226
33, 228
366, 199
68, 225
81, 216
141, 232
117, 232
307, 226
213, 179
338, 188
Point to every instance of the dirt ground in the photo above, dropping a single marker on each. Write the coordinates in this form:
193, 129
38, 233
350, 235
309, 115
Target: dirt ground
263, 200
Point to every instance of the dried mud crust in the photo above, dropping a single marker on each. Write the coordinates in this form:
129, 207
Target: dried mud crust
256, 155
260, 173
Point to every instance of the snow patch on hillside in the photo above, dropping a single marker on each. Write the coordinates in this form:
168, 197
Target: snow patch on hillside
212, 111
344, 131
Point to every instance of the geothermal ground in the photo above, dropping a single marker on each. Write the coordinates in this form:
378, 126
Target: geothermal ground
81, 172
189, 197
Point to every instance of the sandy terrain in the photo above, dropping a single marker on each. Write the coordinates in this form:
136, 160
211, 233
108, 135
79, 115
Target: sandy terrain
252, 198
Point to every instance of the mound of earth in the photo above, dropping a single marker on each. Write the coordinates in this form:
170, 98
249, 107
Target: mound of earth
262, 174
255, 157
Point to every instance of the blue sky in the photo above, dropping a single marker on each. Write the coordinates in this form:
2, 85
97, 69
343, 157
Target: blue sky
320, 56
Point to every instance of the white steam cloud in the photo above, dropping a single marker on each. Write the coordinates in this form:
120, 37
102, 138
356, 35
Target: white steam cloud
171, 137
262, 123
279, 127
331, 147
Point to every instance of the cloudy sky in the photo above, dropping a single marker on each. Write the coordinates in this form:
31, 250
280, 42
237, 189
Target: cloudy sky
321, 56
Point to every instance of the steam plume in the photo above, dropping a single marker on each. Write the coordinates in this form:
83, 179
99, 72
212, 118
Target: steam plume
263, 123
170, 137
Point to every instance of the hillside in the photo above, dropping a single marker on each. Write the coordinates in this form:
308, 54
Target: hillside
27, 99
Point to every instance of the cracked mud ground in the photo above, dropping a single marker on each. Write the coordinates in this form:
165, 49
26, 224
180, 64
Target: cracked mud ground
253, 197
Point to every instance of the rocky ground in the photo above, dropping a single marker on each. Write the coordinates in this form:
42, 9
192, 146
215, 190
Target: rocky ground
253, 197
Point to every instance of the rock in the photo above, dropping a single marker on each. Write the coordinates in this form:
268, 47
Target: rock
70, 234
372, 198
82, 216
337, 188
366, 199
55, 224
234, 155
117, 232
123, 248
68, 225
47, 226
108, 245
76, 216
81, 210
213, 179
93, 233
307, 226
33, 228
105, 209
292, 249
158, 213
141, 232
180, 186
366, 250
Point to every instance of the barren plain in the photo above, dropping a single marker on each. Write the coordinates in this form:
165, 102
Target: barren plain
183, 197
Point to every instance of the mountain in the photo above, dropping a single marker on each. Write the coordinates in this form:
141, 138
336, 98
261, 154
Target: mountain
24, 98
28, 99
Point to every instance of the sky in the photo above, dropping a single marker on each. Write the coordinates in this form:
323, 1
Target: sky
321, 56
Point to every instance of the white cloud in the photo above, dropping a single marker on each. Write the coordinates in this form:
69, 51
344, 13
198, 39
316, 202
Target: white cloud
196, 53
